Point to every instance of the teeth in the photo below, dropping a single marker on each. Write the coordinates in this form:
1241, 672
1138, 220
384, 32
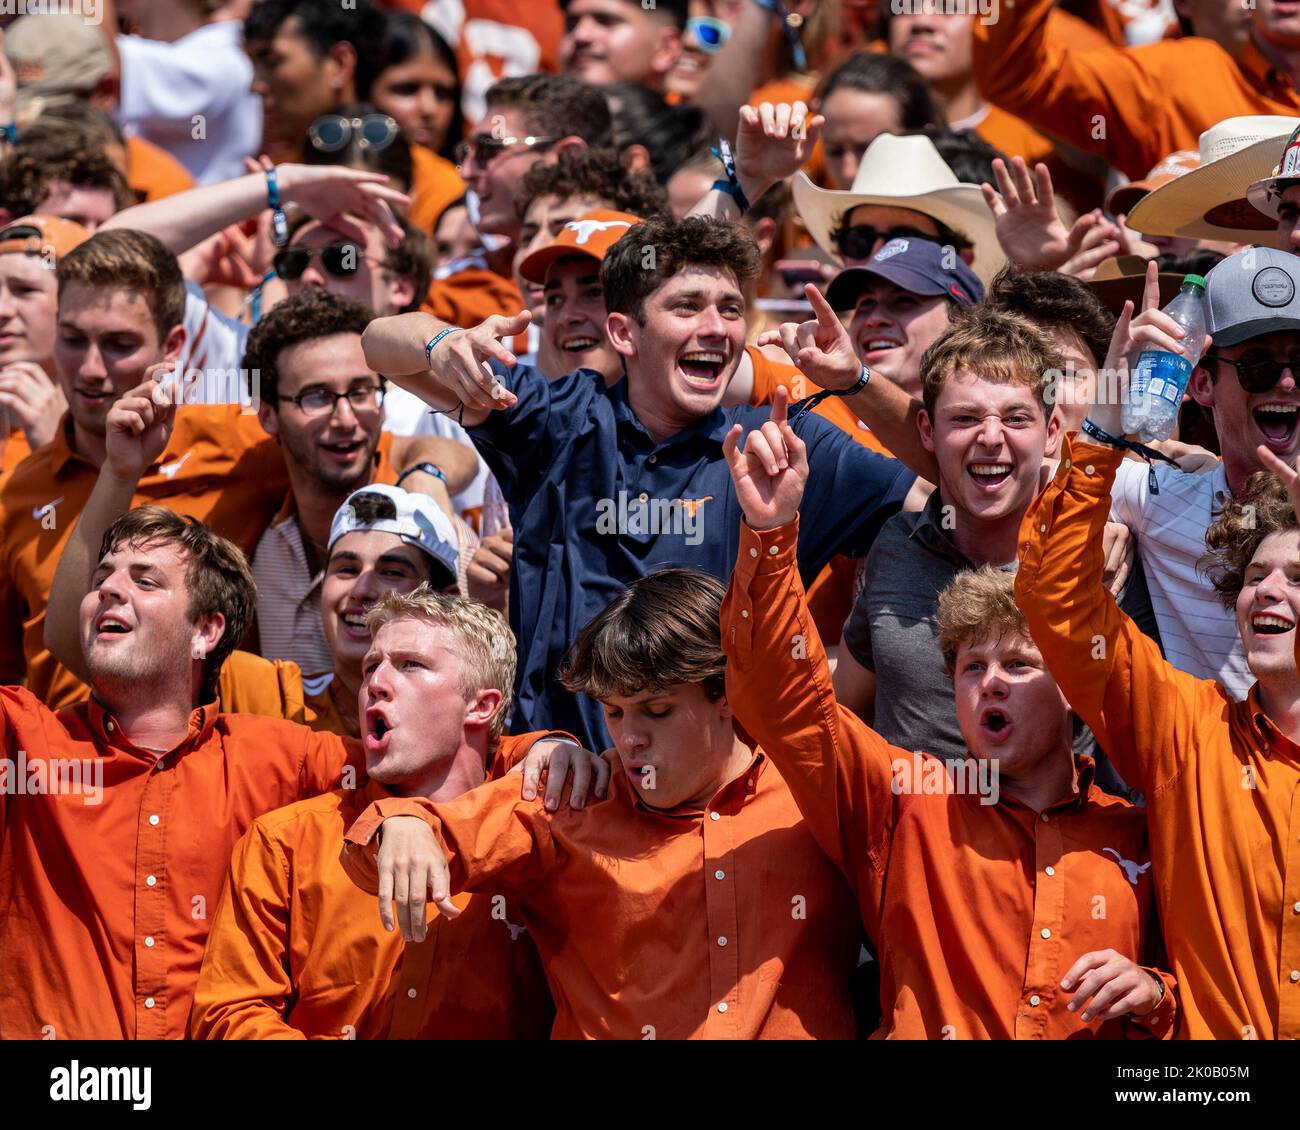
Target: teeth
991, 469
879, 343
707, 358
1289, 409
354, 621
577, 344
1267, 621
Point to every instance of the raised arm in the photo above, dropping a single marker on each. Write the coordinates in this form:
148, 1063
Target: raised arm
778, 679
325, 192
138, 428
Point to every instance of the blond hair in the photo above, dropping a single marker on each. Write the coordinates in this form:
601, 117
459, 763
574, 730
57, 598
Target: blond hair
995, 345
484, 640
977, 604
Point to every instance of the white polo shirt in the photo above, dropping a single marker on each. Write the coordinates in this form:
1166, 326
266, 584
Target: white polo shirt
1199, 635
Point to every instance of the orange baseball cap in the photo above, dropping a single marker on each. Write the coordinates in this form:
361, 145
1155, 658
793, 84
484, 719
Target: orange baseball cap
39, 235
592, 233
1124, 197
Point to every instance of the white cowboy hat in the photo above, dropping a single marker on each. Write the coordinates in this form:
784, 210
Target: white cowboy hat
1210, 202
904, 172
1266, 194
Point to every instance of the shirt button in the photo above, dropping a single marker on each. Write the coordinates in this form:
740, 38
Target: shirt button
1035, 1001
1295, 975
1042, 529
744, 613
1088, 470
653, 459
1046, 819
722, 1007
1046, 932
643, 497
411, 993
109, 726
148, 1002
149, 942
753, 552
150, 880
722, 941
715, 816
774, 550
1050, 870
719, 874
1296, 908
154, 819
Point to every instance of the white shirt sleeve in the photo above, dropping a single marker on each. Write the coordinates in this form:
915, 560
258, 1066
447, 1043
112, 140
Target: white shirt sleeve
167, 81
1128, 496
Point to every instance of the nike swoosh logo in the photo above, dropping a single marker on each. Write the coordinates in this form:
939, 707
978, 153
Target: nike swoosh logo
39, 512
170, 469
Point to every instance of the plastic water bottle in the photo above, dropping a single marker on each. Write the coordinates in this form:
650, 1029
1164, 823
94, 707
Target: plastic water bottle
1159, 379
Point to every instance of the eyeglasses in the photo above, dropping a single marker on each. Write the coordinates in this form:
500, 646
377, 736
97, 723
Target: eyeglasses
485, 148
861, 240
1258, 370
340, 260
331, 132
709, 33
322, 402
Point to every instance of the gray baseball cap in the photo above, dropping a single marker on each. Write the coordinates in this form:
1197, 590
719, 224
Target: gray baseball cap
1253, 292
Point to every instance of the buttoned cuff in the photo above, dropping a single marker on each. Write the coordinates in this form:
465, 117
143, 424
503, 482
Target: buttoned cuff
1092, 464
362, 832
762, 553
1160, 1020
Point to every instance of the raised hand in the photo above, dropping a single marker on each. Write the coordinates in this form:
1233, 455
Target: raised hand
460, 361
1289, 475
34, 402
774, 141
769, 475
820, 347
336, 194
1093, 240
138, 427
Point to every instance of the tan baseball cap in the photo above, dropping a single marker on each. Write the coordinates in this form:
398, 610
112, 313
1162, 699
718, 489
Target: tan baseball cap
42, 235
56, 57
592, 233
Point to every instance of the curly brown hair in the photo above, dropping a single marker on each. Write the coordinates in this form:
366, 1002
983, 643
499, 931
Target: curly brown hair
977, 604
594, 172
653, 252
307, 315
62, 155
1259, 509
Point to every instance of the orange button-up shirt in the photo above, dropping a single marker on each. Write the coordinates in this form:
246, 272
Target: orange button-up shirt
977, 910
726, 923
1132, 106
106, 898
1222, 781
297, 949
219, 466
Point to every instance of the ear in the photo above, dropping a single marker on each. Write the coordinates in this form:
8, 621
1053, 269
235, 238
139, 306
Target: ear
208, 632
1201, 386
269, 418
483, 708
401, 291
174, 343
623, 333
1054, 435
340, 66
764, 232
925, 426
572, 142
725, 712
636, 158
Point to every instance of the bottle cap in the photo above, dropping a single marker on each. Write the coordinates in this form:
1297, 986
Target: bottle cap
1195, 280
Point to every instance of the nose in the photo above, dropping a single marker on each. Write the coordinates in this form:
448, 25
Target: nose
426, 102
8, 307
112, 589
631, 739
712, 324
584, 31
1271, 589
313, 278
990, 431
377, 686
1287, 381
849, 169
92, 363
994, 683
365, 588
343, 413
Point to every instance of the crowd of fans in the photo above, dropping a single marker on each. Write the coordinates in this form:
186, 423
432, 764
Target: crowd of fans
606, 519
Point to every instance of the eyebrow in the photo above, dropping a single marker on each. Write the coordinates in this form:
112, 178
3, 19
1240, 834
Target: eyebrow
729, 296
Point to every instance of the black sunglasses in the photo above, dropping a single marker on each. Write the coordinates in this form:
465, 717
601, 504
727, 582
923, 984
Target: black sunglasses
1258, 370
341, 260
861, 240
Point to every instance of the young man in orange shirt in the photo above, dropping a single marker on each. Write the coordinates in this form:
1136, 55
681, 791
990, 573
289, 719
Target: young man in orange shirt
295, 949
1007, 897
694, 903
1220, 775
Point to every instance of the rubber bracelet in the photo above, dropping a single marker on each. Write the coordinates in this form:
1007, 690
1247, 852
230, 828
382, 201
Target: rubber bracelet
422, 469
279, 222
433, 341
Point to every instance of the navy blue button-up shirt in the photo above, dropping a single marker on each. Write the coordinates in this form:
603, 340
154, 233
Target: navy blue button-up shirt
595, 503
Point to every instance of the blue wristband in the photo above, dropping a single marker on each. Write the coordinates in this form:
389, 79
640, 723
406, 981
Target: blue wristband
433, 341
279, 221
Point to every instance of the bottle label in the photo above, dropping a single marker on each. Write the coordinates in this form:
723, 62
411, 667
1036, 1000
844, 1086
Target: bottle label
1160, 376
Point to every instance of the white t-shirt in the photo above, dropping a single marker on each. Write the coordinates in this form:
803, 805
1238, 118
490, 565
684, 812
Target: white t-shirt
192, 98
407, 415
1199, 635
213, 355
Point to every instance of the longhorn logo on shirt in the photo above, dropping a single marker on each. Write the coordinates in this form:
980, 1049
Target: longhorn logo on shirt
691, 505
587, 228
1131, 869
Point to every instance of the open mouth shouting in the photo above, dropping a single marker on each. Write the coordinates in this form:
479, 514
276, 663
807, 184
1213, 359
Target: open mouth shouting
1277, 421
995, 724
1270, 624
703, 368
379, 729
109, 624
989, 477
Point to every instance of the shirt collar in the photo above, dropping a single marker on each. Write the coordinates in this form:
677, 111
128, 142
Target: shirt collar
729, 799
1263, 75
712, 427
1269, 738
63, 454
108, 731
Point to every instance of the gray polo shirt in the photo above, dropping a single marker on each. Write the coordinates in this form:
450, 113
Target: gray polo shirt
892, 631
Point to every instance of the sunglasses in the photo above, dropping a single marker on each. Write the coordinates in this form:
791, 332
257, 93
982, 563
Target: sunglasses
709, 33
340, 260
331, 132
861, 240
1258, 370
485, 148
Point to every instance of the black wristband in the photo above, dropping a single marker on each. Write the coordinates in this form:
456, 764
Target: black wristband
422, 468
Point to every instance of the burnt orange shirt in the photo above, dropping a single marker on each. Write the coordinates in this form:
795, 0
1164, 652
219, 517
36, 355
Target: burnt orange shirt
726, 923
153, 173
219, 466
107, 901
468, 297
1222, 781
16, 449
297, 950
976, 910
1132, 106
436, 183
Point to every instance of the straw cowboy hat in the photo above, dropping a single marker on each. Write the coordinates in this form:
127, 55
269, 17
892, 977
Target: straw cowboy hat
1210, 202
1124, 277
904, 172
1266, 194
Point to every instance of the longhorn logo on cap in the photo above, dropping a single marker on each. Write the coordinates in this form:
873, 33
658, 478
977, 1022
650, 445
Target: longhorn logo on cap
587, 228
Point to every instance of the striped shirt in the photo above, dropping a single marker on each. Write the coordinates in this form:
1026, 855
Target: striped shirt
1199, 635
